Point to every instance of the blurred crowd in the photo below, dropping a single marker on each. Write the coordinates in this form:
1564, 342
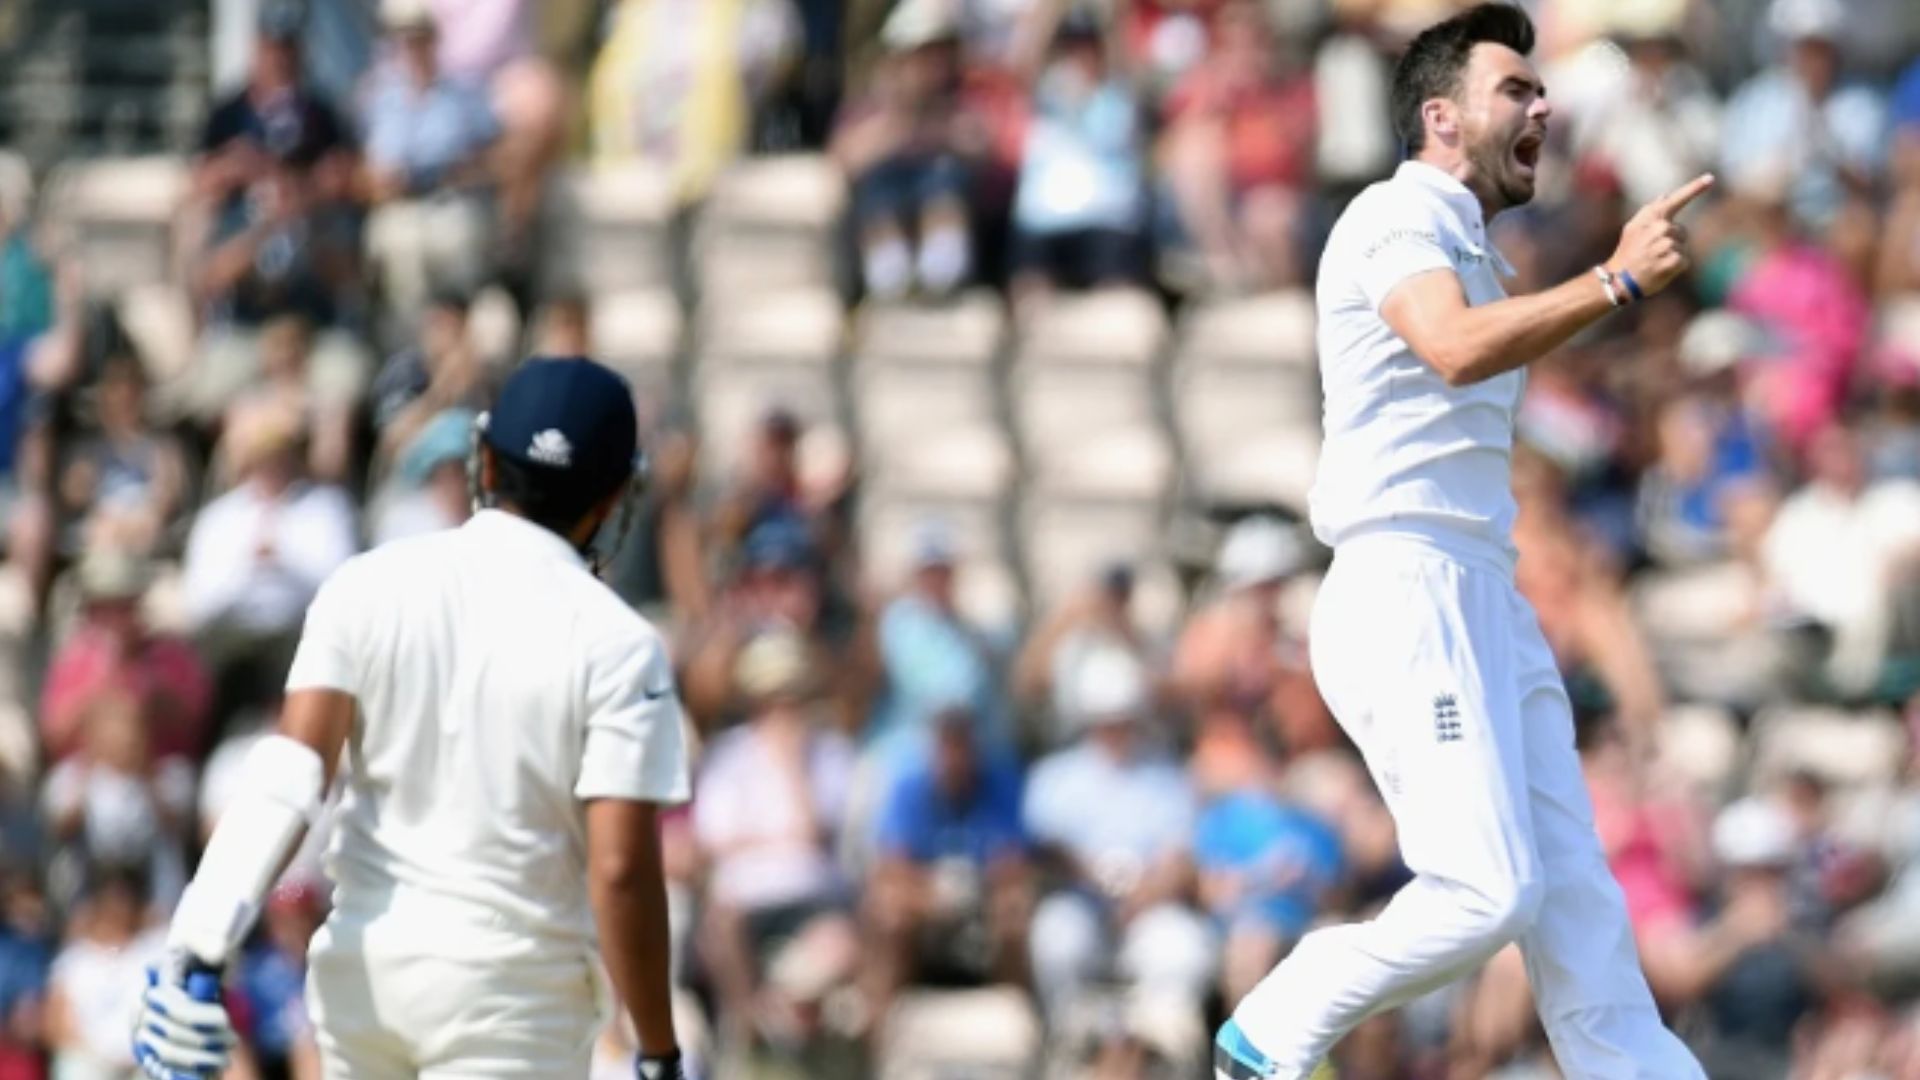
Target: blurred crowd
925, 843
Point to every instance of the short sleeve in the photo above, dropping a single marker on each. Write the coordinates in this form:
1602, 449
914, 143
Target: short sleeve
901, 829
636, 743
1394, 244
326, 657
223, 125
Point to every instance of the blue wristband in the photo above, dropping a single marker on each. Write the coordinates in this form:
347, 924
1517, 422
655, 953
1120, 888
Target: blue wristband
1633, 287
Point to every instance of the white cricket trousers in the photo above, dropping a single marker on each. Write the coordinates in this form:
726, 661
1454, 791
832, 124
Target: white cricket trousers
396, 998
1435, 666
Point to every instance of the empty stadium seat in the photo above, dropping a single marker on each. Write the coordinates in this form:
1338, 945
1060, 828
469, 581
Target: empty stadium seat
118, 213
1055, 405
1855, 749
729, 400
957, 463
968, 332
897, 406
159, 318
1108, 327
1273, 468
1273, 329
792, 326
1130, 464
1065, 542
637, 333
1218, 408
768, 225
986, 1034
613, 228
1701, 743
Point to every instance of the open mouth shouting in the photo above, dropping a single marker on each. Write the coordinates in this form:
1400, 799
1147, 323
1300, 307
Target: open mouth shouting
1526, 152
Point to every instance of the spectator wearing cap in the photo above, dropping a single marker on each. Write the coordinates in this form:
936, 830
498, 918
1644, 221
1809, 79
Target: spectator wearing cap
777, 584
1751, 973
1236, 151
125, 483
257, 554
912, 149
1120, 900
932, 658
1653, 122
769, 483
112, 650
1097, 619
1079, 209
429, 141
951, 890
1240, 671
429, 490
767, 810
1801, 118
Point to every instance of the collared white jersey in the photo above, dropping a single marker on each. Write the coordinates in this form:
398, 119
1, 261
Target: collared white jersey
500, 687
1402, 449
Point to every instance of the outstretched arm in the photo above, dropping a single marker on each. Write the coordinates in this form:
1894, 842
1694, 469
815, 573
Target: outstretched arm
1468, 344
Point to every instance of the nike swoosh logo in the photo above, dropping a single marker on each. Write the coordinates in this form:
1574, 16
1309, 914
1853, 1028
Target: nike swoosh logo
656, 695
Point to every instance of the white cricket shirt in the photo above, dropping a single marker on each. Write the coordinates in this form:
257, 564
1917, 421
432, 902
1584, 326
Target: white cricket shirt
1402, 450
500, 686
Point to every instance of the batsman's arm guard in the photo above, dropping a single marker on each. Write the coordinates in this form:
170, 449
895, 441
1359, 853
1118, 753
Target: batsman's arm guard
280, 796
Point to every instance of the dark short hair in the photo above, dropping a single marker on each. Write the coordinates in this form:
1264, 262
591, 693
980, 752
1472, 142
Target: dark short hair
1432, 64
555, 501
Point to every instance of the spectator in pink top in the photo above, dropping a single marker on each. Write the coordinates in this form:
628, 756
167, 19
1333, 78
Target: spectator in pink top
1805, 298
113, 650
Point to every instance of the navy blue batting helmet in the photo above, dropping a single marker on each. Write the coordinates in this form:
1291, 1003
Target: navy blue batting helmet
569, 422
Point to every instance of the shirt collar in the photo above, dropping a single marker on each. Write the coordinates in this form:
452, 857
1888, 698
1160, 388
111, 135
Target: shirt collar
498, 526
1464, 203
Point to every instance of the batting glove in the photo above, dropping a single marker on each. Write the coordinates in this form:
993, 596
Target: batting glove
183, 1032
660, 1067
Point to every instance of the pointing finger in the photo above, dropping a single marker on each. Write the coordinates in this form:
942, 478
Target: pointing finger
1676, 200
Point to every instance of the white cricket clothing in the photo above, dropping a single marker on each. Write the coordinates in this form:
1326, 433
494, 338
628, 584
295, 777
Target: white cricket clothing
1436, 668
1403, 450
501, 686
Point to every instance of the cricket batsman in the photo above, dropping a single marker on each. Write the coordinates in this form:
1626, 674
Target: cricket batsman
1431, 660
510, 727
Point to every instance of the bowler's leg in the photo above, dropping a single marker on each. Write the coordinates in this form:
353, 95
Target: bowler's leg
1587, 983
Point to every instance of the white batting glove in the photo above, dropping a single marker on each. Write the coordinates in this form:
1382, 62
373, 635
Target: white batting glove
183, 1032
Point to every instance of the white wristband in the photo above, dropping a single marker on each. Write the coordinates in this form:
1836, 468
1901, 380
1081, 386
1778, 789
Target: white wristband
1606, 282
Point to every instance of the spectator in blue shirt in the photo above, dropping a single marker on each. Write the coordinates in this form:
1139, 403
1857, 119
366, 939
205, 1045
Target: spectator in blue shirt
272, 980
951, 891
26, 957
1266, 869
1079, 209
1802, 120
1113, 816
428, 148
